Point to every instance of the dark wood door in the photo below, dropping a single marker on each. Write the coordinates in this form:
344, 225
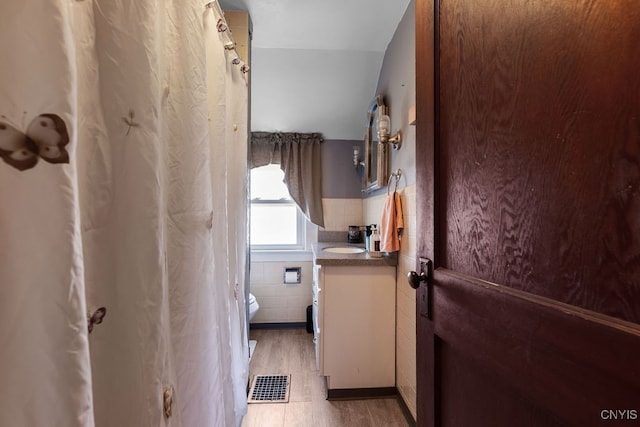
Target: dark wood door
528, 188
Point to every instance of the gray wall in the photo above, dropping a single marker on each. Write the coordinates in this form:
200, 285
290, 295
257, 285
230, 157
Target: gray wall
340, 180
397, 82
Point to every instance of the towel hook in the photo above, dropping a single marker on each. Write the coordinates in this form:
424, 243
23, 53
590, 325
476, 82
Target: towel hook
397, 174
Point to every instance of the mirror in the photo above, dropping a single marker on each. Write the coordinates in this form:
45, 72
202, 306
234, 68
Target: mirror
376, 154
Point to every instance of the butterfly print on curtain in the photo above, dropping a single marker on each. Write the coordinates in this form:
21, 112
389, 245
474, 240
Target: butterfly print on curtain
96, 318
45, 137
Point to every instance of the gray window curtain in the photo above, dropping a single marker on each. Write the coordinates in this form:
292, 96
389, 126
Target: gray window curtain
298, 155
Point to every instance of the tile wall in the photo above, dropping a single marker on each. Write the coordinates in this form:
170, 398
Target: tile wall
339, 214
405, 295
280, 303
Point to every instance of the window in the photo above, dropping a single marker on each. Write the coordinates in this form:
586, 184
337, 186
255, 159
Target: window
276, 221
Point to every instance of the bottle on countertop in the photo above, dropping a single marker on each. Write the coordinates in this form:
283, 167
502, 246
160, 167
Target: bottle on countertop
367, 238
374, 251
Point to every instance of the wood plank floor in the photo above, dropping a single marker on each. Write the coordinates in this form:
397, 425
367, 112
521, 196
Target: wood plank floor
291, 351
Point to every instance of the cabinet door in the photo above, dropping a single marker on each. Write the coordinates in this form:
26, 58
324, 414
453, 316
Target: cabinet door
359, 326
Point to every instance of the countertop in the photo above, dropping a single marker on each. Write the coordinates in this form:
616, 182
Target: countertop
321, 257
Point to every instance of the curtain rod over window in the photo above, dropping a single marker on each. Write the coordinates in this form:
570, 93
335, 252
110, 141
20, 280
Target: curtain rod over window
280, 137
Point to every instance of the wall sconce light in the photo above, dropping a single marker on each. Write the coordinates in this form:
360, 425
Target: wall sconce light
384, 130
356, 157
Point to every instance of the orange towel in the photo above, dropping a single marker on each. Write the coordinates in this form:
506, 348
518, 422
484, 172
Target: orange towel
392, 224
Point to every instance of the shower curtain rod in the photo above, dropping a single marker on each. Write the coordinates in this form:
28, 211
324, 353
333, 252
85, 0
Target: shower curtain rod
213, 4
218, 10
231, 43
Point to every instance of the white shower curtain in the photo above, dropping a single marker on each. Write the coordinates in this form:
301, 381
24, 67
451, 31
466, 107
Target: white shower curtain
122, 136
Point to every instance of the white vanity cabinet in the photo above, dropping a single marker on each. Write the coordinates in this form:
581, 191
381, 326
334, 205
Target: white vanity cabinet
355, 325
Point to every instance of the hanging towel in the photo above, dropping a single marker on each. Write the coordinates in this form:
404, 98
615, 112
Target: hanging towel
392, 224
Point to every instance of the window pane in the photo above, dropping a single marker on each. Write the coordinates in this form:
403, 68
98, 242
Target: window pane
273, 224
266, 183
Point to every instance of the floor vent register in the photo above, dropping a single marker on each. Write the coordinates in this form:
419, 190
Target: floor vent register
269, 389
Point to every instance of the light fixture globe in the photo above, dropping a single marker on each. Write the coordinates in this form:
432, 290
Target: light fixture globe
384, 130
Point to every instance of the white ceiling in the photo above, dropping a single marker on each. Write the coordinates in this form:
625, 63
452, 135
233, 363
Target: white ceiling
315, 64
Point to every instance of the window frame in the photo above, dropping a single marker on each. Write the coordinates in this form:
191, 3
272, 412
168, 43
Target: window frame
301, 226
